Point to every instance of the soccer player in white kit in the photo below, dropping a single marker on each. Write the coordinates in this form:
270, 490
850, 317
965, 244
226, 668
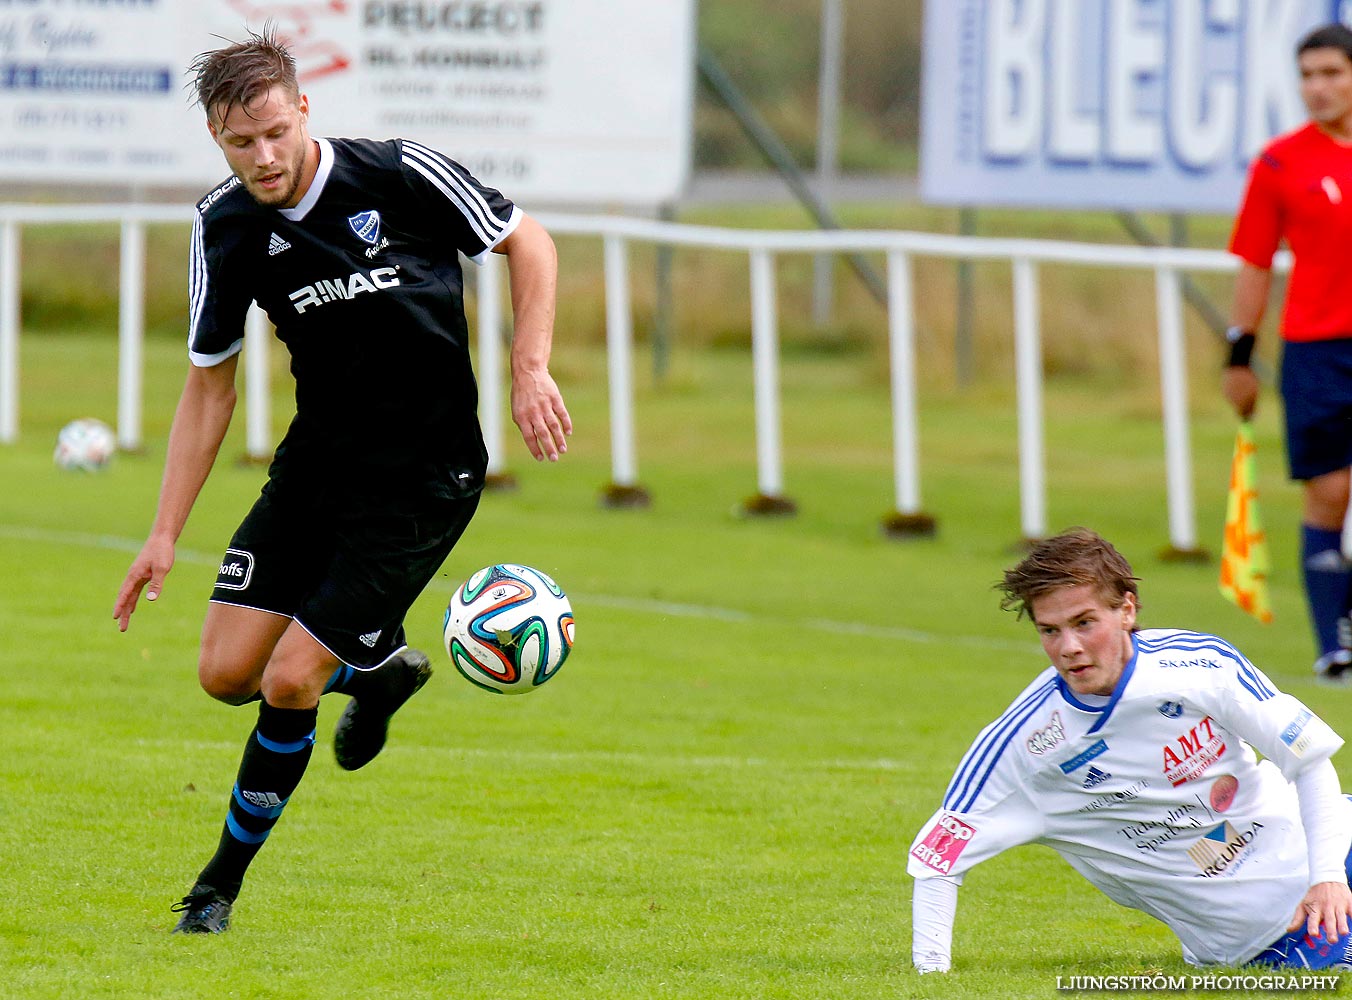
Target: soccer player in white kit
1132, 756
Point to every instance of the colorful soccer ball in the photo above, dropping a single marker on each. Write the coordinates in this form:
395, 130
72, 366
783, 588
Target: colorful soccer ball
508, 628
86, 445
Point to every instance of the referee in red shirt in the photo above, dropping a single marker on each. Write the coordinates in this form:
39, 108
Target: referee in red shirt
1300, 191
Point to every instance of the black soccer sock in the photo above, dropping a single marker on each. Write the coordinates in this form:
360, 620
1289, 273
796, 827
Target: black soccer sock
365, 685
1326, 583
274, 759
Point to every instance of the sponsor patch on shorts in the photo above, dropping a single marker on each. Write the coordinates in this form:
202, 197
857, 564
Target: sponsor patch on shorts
942, 845
236, 570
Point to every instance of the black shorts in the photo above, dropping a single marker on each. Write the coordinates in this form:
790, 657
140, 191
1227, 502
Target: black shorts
346, 574
1317, 391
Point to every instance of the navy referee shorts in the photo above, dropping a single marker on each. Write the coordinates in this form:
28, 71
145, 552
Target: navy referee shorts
1316, 386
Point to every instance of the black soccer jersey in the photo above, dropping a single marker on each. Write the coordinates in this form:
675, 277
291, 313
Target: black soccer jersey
363, 283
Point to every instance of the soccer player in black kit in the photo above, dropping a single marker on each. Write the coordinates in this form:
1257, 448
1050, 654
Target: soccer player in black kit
350, 245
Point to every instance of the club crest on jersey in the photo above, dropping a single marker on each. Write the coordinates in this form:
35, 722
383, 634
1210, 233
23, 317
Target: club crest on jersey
1170, 709
366, 225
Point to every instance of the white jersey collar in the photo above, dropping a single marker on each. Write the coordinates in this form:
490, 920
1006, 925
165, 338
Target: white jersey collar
316, 186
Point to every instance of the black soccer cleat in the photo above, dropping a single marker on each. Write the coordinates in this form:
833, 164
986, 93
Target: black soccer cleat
205, 911
361, 731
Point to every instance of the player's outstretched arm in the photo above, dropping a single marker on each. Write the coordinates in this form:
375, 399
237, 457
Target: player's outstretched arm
537, 404
200, 423
1323, 814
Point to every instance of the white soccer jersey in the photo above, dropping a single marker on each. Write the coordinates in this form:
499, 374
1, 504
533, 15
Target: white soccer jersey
1157, 797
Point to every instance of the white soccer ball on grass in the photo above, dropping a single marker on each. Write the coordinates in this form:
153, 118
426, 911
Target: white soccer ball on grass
85, 445
508, 628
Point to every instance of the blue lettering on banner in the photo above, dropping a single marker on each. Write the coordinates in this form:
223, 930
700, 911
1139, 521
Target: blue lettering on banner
1081, 759
1108, 103
85, 78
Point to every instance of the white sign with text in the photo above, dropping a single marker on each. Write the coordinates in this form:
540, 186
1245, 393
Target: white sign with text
562, 101
1122, 104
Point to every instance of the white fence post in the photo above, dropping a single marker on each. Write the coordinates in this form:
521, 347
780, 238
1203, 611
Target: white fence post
1174, 400
907, 519
623, 489
130, 333
9, 331
765, 361
491, 408
1028, 371
1025, 255
258, 385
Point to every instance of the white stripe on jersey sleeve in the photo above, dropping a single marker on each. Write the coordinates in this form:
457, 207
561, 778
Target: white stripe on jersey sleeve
212, 360
197, 278
442, 174
197, 297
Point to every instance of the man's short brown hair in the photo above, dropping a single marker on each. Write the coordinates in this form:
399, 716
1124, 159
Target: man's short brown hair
1075, 558
242, 73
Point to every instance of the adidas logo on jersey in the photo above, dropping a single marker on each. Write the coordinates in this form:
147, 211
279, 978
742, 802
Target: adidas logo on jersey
1095, 777
369, 639
276, 245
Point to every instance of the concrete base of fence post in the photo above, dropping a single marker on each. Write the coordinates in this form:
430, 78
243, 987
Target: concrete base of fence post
899, 525
618, 496
766, 506
1172, 554
500, 482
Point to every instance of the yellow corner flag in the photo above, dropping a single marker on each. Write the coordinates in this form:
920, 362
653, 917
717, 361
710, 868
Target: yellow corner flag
1244, 554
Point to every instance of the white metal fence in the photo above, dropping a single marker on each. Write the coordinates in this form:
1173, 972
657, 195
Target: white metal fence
900, 248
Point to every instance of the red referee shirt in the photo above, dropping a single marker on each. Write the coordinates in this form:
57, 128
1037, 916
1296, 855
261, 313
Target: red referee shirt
1300, 190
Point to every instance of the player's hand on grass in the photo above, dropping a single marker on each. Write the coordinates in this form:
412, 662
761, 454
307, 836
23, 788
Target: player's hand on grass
1240, 386
147, 572
1329, 904
538, 410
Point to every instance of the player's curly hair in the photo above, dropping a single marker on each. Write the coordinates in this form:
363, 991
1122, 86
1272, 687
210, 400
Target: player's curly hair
1074, 558
242, 73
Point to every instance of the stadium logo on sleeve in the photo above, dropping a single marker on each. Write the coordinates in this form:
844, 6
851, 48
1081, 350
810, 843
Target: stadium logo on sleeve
236, 570
1292, 734
942, 845
366, 225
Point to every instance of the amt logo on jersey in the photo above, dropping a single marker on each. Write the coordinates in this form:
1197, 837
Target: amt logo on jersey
331, 290
1192, 753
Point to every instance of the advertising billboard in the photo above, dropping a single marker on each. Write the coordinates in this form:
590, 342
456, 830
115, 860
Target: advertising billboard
1111, 104
566, 101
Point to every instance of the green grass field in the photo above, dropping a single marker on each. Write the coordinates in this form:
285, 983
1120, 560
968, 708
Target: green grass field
715, 797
